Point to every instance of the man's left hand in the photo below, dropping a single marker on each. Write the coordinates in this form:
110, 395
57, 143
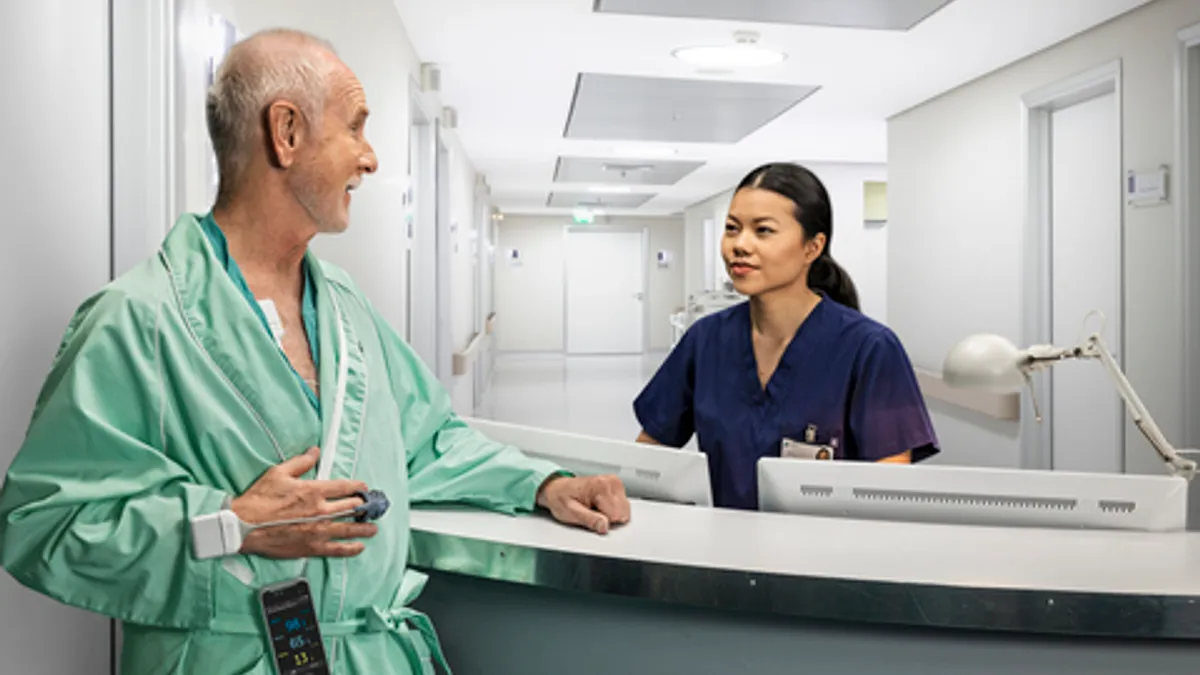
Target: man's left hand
595, 503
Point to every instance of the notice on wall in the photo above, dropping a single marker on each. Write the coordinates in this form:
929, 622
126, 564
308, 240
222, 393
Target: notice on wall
1147, 188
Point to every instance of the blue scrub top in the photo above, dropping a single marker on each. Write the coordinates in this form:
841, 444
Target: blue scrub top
308, 301
842, 372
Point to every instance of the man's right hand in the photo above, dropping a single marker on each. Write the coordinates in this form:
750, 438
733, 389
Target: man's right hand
280, 494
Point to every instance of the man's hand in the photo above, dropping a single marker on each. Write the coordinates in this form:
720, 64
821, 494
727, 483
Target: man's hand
594, 503
280, 494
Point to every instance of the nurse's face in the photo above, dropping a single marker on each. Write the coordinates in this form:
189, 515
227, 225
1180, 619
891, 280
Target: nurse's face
339, 158
764, 247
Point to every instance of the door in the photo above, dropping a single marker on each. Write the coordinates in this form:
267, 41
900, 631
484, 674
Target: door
1087, 417
422, 220
1190, 198
483, 216
444, 262
605, 292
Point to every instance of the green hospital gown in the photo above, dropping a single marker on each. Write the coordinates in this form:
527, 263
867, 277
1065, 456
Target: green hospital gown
166, 399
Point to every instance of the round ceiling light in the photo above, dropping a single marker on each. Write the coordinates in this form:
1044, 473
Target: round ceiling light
744, 54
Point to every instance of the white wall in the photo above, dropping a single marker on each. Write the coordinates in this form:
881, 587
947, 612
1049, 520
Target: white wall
665, 284
701, 244
844, 182
530, 296
957, 215
54, 185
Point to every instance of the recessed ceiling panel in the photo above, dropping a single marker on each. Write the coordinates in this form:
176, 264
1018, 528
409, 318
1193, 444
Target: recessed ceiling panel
573, 200
622, 171
878, 14
625, 108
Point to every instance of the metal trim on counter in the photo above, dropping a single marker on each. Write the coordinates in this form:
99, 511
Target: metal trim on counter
844, 600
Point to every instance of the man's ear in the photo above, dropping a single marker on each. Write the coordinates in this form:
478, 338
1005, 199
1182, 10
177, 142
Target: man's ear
285, 131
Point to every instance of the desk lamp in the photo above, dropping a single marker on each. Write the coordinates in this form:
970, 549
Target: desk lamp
992, 363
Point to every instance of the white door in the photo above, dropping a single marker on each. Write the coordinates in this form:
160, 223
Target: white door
1087, 417
605, 292
1191, 221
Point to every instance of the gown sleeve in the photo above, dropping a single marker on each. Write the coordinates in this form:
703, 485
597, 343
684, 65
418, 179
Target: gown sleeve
665, 408
448, 461
93, 514
887, 410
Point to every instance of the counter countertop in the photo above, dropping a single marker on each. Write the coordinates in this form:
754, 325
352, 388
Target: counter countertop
1072, 582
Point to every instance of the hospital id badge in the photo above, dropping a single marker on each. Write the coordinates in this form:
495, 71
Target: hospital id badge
293, 634
790, 449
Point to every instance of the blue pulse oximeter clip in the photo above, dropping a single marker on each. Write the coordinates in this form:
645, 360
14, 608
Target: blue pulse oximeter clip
375, 504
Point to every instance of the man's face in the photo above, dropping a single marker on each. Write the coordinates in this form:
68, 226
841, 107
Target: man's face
338, 156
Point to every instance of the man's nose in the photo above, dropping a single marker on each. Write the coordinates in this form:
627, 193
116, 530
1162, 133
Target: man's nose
369, 163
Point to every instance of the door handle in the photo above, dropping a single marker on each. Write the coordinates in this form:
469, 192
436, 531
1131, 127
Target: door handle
639, 296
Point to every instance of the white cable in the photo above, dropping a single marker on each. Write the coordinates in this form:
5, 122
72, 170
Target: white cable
221, 534
248, 528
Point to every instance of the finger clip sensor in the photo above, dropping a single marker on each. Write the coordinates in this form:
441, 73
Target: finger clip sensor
375, 504
221, 534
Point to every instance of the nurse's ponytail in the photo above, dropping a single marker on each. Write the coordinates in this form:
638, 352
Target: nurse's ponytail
814, 212
830, 278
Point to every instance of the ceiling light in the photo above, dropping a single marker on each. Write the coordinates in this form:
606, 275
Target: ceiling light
611, 189
744, 54
626, 168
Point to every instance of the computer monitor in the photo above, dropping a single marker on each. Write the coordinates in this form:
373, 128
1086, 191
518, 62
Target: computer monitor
649, 471
975, 496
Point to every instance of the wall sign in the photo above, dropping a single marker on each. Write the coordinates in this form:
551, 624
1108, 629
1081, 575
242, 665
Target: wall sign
1147, 188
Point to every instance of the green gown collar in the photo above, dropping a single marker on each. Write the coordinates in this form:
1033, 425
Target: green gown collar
308, 305
233, 336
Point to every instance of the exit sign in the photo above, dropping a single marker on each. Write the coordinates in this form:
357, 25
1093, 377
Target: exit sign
584, 217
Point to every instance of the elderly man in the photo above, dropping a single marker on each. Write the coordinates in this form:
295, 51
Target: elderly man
188, 399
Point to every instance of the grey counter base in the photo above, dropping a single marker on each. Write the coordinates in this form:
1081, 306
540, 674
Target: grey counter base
500, 628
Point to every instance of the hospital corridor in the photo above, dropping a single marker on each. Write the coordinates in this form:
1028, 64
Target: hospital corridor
650, 337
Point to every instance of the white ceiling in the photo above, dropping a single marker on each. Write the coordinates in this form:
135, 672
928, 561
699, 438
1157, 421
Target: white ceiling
510, 68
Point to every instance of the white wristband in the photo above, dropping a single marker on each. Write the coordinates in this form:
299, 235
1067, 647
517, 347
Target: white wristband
216, 535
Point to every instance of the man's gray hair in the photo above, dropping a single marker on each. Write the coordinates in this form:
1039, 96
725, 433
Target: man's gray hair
272, 65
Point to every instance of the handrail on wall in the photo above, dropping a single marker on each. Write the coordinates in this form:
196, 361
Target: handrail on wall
462, 358
999, 406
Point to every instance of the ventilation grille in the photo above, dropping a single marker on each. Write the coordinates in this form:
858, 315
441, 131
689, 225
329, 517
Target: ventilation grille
968, 500
648, 474
816, 491
1109, 506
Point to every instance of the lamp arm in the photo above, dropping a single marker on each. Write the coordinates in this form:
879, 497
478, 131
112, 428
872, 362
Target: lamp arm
1141, 416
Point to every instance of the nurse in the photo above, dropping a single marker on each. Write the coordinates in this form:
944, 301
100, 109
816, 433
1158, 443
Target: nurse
796, 365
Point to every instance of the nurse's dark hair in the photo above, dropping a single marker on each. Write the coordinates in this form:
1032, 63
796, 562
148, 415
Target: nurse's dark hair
814, 212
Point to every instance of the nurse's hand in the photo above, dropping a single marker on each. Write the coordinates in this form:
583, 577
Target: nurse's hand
280, 494
595, 503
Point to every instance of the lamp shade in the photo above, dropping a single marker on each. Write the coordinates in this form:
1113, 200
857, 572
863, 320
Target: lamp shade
986, 362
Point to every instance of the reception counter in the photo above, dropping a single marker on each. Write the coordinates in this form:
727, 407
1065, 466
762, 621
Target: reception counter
698, 591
